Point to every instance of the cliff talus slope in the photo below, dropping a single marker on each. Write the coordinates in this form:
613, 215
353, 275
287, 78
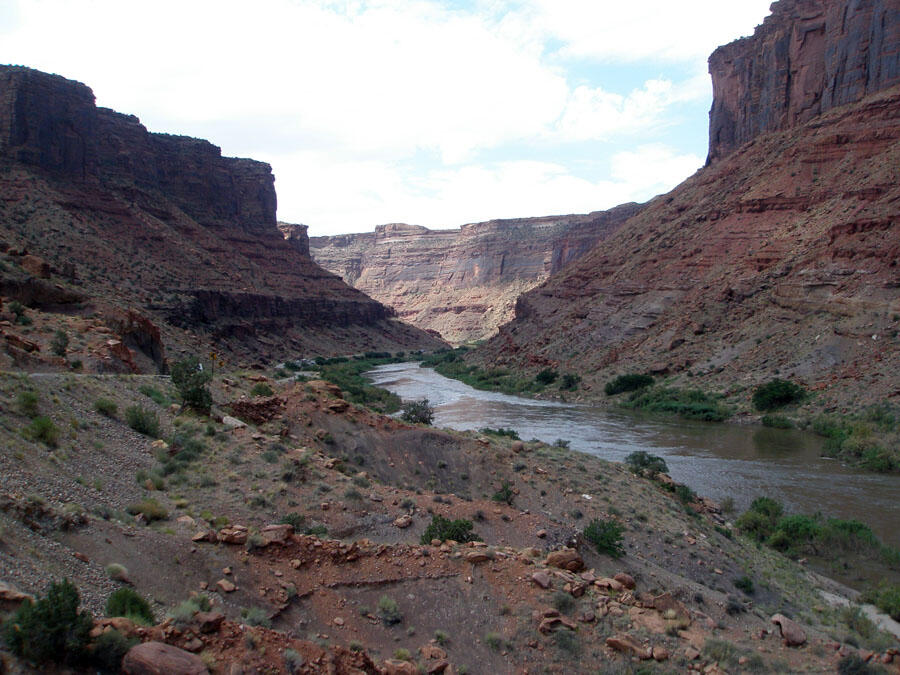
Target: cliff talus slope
463, 282
165, 226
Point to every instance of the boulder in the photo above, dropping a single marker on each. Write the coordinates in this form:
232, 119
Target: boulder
278, 534
541, 578
628, 645
476, 557
208, 622
157, 658
11, 598
566, 559
626, 580
403, 521
791, 632
667, 603
397, 667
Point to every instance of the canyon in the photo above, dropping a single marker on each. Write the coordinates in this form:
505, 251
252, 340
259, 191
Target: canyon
779, 258
462, 283
166, 227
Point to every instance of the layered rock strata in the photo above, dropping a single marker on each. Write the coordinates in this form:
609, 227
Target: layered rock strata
806, 58
166, 224
463, 282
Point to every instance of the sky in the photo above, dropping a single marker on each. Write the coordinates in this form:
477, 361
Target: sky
432, 112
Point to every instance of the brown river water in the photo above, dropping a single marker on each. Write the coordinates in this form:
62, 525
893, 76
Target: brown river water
715, 460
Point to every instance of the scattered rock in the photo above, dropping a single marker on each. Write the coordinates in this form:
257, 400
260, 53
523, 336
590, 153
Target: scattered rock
541, 578
628, 645
157, 658
403, 521
660, 653
476, 557
566, 559
666, 603
517, 447
397, 667
278, 534
791, 632
225, 586
233, 422
233, 535
541, 534
208, 622
626, 580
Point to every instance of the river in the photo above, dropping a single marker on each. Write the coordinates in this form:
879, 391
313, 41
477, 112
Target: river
716, 460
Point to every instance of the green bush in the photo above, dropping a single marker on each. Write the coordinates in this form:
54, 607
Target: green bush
142, 420
191, 380
388, 611
27, 402
261, 389
154, 394
887, 598
744, 584
500, 431
60, 343
623, 383
256, 616
444, 529
44, 430
777, 422
546, 377
150, 509
505, 494
691, 404
760, 519
641, 462
106, 407
569, 382
128, 603
109, 649
777, 394
606, 536
418, 412
50, 629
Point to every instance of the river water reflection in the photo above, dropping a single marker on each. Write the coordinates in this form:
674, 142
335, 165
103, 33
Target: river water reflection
716, 460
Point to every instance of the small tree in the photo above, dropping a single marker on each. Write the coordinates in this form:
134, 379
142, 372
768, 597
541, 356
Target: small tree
418, 412
777, 394
191, 380
60, 343
51, 629
642, 462
606, 536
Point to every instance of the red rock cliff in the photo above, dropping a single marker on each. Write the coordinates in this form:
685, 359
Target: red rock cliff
807, 57
464, 282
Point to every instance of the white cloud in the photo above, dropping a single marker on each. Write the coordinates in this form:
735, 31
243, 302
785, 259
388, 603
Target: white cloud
385, 110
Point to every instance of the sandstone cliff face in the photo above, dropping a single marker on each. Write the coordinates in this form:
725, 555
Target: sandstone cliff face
167, 224
462, 283
807, 57
779, 260
296, 235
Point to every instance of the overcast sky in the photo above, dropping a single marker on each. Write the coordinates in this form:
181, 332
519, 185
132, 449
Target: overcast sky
420, 111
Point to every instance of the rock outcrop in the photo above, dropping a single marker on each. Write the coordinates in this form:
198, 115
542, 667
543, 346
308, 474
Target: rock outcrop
167, 224
806, 58
296, 235
463, 283
777, 260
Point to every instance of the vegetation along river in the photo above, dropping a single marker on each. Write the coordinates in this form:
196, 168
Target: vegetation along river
716, 460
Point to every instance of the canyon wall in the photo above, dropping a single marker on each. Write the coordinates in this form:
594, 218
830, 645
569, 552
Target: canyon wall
462, 283
167, 224
807, 57
779, 259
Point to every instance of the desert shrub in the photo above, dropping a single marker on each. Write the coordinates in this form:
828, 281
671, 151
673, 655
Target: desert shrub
563, 602
388, 611
561, 443
744, 584
150, 509
567, 642
418, 412
642, 462
546, 377
692, 404
256, 616
887, 598
128, 603
294, 519
117, 572
293, 661
42, 429
606, 536
445, 529
261, 389
853, 664
849, 536
777, 421
142, 420
50, 629
109, 649
154, 394
569, 382
721, 651
191, 381
777, 394
505, 494
623, 383
106, 407
60, 343
27, 402
18, 309
500, 431
494, 641
760, 519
